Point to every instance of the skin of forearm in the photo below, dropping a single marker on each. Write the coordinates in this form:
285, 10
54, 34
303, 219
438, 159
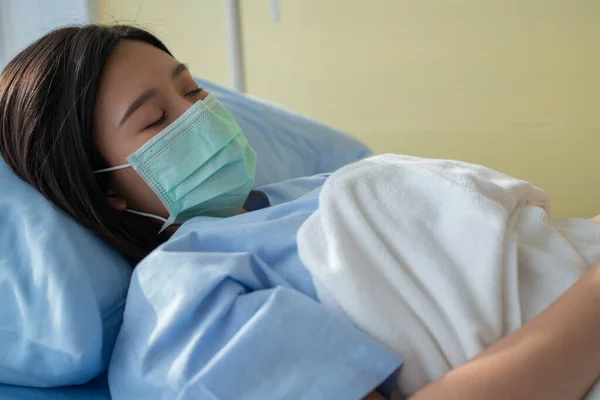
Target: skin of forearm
555, 356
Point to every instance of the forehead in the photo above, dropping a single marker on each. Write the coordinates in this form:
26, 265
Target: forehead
131, 61
131, 68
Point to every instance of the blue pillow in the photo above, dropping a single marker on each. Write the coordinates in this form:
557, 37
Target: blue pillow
288, 145
62, 290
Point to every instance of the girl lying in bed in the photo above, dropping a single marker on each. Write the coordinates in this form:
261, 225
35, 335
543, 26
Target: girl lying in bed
114, 131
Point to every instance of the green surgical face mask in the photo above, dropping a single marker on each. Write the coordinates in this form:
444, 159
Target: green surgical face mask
201, 164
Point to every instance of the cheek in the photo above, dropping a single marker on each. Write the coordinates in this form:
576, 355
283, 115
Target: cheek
138, 194
116, 148
116, 152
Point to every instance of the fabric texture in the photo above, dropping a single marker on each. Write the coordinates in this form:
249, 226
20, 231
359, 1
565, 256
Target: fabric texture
62, 292
97, 389
439, 259
225, 310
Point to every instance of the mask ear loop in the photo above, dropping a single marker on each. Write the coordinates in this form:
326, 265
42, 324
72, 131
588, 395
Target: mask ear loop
118, 167
143, 214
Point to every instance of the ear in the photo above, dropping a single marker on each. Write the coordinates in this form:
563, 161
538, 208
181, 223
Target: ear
115, 200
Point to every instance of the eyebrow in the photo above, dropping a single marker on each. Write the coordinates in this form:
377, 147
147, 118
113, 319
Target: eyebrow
149, 94
137, 103
179, 69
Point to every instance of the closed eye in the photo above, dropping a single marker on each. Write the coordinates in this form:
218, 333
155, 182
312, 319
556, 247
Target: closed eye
159, 121
194, 92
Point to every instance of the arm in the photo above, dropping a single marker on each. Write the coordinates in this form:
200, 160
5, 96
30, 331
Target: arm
555, 356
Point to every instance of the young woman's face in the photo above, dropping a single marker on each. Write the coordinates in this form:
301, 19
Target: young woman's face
142, 91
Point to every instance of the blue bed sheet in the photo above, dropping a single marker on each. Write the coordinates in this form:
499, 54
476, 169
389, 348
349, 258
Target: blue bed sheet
97, 389
226, 310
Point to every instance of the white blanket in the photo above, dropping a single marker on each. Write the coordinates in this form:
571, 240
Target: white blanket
439, 259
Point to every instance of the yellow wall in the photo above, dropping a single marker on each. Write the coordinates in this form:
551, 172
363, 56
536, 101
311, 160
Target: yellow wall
193, 30
511, 84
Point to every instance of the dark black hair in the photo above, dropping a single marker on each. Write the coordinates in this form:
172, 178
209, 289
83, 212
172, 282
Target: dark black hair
47, 131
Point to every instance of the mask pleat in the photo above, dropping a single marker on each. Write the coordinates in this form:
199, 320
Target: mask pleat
191, 151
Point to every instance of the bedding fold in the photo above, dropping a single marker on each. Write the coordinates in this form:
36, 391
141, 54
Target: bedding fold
439, 259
